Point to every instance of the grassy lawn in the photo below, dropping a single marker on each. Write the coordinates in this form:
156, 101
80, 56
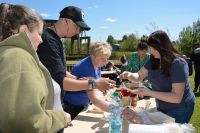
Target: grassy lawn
195, 120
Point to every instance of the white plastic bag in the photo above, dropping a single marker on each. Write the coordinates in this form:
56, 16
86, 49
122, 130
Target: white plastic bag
161, 128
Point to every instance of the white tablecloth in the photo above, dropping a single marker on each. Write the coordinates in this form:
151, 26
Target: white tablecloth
88, 122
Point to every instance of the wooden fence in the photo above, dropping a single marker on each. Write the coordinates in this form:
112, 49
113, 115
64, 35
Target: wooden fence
70, 64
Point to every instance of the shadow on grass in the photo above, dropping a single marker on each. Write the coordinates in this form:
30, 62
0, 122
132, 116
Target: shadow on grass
197, 94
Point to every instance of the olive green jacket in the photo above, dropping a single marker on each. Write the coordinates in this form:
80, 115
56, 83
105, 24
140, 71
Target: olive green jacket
26, 90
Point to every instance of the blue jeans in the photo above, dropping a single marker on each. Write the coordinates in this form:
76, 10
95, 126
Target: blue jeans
183, 113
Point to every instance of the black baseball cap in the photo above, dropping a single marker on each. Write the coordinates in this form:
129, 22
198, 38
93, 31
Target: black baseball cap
76, 15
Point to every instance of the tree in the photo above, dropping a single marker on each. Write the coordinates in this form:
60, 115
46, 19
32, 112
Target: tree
111, 40
130, 44
144, 37
67, 43
152, 27
196, 32
185, 40
188, 37
125, 37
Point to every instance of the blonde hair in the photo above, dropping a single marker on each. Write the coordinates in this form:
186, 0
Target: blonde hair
100, 47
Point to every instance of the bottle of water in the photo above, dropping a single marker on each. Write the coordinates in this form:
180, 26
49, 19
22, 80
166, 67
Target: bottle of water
115, 121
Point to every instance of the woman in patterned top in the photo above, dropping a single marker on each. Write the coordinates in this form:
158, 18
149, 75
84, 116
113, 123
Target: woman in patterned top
138, 59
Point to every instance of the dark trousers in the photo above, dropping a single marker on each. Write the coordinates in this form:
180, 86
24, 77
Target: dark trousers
183, 113
73, 110
61, 131
197, 78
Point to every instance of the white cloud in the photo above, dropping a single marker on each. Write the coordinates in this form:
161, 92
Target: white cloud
103, 27
33, 9
110, 20
95, 6
45, 14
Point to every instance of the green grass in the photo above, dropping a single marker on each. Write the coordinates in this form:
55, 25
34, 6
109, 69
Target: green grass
195, 120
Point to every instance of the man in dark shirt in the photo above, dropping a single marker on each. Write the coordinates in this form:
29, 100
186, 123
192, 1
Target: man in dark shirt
196, 59
51, 54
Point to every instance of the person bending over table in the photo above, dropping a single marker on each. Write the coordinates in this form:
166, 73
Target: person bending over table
51, 52
89, 67
167, 71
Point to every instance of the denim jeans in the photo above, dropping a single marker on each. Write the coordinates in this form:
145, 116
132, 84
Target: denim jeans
183, 113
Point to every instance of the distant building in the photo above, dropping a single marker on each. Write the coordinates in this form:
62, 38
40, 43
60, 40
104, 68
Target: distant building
81, 40
115, 47
49, 22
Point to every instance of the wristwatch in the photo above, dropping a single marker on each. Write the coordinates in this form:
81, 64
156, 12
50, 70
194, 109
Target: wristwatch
91, 84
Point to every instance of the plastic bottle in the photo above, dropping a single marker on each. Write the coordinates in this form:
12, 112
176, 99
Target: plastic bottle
115, 121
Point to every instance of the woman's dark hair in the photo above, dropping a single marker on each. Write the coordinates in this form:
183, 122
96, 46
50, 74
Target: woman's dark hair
142, 45
160, 41
3, 12
15, 15
123, 59
110, 64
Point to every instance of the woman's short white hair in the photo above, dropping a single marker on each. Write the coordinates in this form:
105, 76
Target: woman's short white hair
100, 47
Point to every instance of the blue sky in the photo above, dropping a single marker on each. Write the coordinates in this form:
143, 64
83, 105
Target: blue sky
120, 17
